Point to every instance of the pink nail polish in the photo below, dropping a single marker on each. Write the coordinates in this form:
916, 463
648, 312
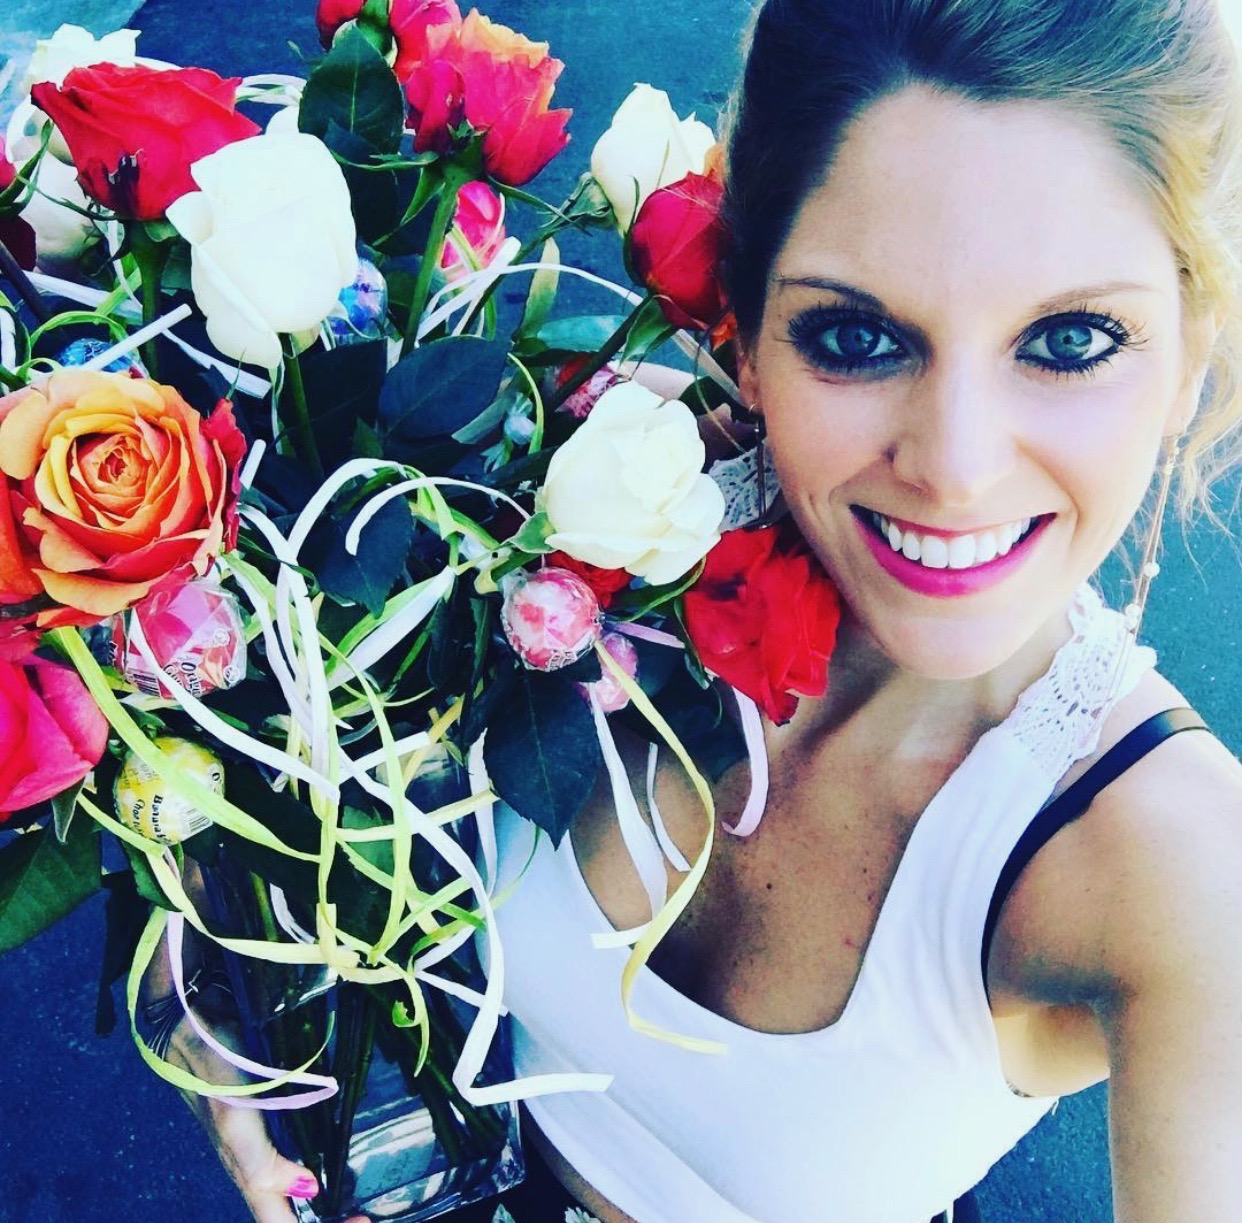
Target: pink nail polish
306, 1186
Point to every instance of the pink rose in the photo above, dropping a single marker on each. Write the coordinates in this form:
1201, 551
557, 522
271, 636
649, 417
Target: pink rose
551, 618
478, 231
51, 732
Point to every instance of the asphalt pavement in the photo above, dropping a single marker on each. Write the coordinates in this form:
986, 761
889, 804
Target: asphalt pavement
87, 1133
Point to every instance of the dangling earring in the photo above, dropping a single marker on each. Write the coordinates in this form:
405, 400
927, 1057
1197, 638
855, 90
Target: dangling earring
1150, 568
761, 460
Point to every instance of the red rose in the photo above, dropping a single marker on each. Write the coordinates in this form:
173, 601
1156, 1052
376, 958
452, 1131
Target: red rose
51, 732
111, 489
763, 616
605, 583
676, 246
501, 83
418, 27
135, 132
16, 234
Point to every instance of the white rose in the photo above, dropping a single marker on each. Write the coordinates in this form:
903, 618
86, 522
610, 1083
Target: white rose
73, 47
627, 491
647, 147
62, 234
272, 241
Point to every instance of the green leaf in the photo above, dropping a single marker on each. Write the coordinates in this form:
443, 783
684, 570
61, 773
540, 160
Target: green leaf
440, 388
354, 88
541, 751
582, 333
364, 577
64, 806
533, 537
542, 293
145, 883
42, 880
647, 332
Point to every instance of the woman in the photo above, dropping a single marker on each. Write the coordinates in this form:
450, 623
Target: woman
984, 268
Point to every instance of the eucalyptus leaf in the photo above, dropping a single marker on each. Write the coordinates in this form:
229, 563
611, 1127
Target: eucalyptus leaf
541, 751
43, 880
354, 88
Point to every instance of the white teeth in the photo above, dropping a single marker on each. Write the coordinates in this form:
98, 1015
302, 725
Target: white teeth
935, 553
962, 552
955, 551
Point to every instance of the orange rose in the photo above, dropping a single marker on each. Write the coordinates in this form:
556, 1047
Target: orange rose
111, 488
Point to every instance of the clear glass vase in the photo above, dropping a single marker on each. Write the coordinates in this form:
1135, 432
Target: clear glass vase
397, 1143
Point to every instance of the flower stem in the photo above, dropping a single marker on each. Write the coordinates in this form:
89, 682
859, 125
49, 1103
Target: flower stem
357, 1013
616, 343
441, 223
151, 255
300, 429
11, 271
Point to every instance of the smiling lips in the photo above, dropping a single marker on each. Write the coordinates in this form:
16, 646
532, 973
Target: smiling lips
945, 564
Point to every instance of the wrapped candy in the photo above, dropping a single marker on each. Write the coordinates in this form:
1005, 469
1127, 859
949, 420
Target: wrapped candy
608, 693
195, 634
550, 618
361, 309
147, 805
81, 351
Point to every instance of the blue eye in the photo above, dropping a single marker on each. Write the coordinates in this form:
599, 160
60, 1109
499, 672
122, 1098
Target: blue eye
845, 341
1073, 343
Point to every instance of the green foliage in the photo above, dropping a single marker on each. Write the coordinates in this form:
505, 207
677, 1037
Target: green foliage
43, 879
353, 88
438, 389
367, 575
541, 751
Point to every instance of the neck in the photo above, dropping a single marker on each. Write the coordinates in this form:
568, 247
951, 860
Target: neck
867, 687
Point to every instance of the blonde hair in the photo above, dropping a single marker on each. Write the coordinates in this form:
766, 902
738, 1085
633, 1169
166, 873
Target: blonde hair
1162, 77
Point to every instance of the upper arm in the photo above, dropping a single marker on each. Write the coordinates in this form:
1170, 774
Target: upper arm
1170, 951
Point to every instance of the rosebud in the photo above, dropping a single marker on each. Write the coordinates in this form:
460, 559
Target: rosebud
608, 693
550, 618
478, 231
676, 246
144, 802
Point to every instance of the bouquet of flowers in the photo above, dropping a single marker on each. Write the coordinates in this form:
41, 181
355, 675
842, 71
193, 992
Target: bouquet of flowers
315, 544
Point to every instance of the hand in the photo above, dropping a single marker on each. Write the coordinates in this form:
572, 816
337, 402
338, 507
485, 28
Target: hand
266, 1179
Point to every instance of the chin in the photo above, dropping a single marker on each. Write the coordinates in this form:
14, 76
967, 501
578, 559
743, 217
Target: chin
959, 650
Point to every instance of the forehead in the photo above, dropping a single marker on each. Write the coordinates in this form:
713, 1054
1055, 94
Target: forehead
937, 199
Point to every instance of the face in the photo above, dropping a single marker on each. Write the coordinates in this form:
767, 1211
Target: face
971, 348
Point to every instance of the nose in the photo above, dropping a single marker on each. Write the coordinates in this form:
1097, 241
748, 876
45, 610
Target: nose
954, 437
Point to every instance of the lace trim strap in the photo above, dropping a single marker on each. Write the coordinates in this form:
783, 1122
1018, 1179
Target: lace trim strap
1059, 717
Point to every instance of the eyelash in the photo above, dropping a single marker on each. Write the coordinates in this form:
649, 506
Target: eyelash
807, 330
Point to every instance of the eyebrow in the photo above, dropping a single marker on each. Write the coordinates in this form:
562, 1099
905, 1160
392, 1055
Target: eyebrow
1051, 305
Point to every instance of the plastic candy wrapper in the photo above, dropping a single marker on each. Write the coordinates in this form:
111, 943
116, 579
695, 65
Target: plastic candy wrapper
194, 632
144, 802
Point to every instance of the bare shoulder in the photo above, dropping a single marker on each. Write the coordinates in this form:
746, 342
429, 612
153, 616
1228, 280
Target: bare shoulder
1144, 886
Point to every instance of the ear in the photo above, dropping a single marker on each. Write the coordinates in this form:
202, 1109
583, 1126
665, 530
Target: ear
748, 376
1200, 342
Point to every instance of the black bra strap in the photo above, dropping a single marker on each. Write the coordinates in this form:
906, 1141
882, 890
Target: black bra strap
1071, 803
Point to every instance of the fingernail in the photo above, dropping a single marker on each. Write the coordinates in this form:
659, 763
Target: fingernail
306, 1186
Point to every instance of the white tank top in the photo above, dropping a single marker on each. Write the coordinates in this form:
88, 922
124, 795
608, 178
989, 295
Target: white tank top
885, 1116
